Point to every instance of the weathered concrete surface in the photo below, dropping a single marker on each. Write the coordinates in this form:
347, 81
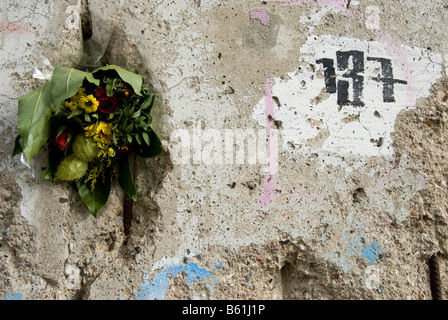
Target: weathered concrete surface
337, 201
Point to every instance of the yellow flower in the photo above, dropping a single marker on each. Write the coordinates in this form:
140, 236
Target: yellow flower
71, 105
88, 103
101, 132
81, 92
76, 99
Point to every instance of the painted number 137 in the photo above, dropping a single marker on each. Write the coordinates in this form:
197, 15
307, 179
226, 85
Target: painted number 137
354, 70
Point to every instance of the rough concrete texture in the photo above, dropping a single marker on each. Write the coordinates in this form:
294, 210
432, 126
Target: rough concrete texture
342, 191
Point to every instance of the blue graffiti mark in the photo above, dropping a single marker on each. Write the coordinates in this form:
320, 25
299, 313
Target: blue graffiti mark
372, 252
340, 261
218, 266
157, 288
355, 246
13, 296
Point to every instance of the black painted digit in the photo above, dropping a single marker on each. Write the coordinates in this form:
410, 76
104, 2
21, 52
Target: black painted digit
354, 72
343, 58
329, 73
387, 78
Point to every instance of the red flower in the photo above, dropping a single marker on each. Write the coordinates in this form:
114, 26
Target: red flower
107, 104
125, 149
60, 141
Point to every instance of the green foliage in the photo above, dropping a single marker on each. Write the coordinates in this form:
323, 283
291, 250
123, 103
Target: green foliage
112, 84
17, 147
66, 82
125, 179
133, 125
34, 113
49, 111
135, 80
154, 149
54, 158
96, 199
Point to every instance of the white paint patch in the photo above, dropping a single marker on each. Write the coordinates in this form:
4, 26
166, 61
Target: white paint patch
29, 196
319, 125
73, 276
373, 278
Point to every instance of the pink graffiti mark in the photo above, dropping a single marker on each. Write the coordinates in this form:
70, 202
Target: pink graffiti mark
14, 27
269, 185
260, 14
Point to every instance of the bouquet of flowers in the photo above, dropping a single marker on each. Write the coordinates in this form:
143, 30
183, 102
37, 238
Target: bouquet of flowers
91, 121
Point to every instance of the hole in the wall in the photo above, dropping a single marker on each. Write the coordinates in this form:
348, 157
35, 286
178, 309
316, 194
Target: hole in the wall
358, 195
286, 272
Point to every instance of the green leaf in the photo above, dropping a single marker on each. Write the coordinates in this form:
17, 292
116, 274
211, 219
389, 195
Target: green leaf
146, 106
96, 199
75, 113
48, 174
129, 128
17, 147
137, 114
61, 129
111, 85
151, 150
140, 119
135, 80
138, 138
34, 114
125, 179
67, 81
146, 138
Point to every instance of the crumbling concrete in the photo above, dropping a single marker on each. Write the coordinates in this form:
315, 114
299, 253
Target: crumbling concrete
339, 193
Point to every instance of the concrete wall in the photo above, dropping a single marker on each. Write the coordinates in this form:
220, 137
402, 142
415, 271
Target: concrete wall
305, 152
